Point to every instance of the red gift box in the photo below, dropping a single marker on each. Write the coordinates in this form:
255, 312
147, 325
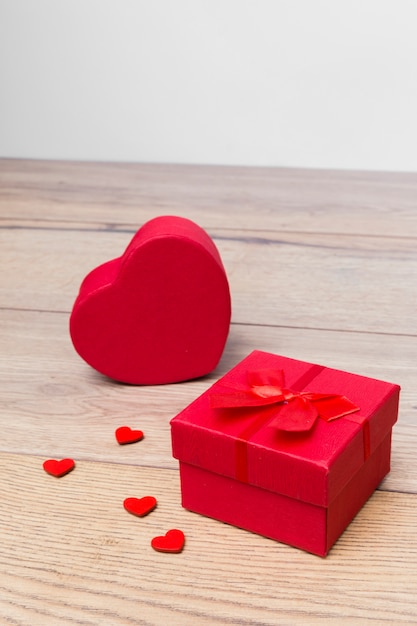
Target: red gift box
284, 448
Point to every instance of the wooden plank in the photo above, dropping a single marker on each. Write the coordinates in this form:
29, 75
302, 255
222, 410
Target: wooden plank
53, 404
71, 555
233, 197
292, 279
322, 267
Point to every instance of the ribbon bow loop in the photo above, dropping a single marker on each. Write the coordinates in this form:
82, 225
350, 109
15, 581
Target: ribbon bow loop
297, 411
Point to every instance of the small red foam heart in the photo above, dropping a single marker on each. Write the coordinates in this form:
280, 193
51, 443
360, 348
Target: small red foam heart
140, 506
172, 541
158, 314
58, 468
125, 434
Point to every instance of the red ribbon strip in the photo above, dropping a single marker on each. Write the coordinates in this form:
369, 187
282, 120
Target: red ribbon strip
298, 410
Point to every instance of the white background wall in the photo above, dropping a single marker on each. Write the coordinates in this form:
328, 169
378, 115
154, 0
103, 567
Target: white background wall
315, 83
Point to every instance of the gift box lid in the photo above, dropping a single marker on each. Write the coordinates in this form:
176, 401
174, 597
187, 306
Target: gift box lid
247, 443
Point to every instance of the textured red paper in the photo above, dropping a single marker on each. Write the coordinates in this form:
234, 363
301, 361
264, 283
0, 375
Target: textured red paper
140, 506
172, 541
125, 435
300, 488
158, 314
58, 468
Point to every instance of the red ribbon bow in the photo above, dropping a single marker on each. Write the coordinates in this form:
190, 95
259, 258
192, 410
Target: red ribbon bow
298, 410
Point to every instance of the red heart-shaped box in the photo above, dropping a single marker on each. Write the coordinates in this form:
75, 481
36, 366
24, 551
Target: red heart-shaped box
158, 314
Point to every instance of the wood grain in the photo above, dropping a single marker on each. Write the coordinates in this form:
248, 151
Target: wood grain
322, 267
231, 197
67, 409
79, 558
288, 279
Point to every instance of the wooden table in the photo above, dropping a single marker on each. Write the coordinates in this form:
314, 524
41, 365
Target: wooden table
322, 267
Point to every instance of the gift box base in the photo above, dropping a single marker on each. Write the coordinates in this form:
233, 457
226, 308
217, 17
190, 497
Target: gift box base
300, 524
